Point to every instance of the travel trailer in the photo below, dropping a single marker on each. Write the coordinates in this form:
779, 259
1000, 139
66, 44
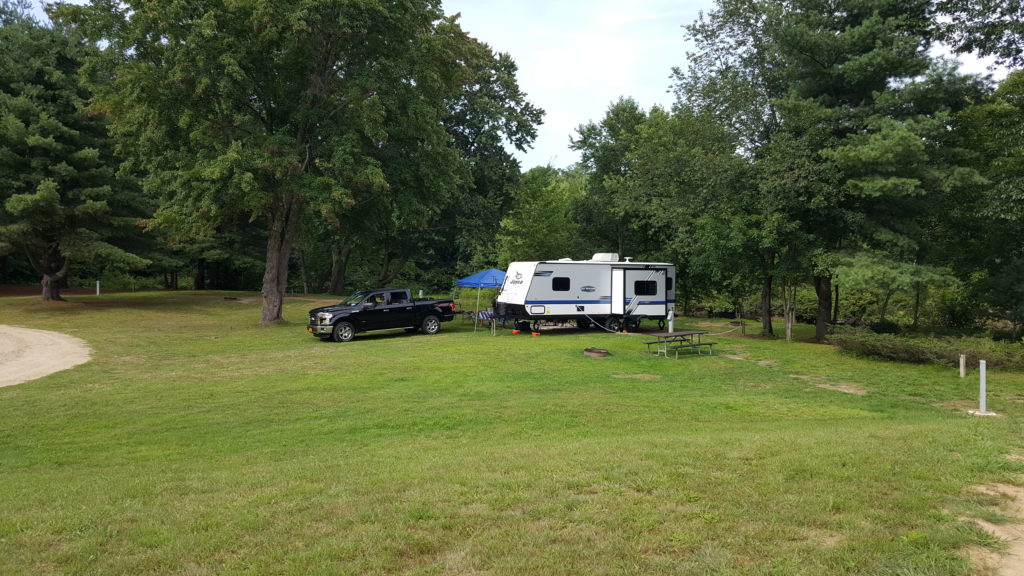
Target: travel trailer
601, 291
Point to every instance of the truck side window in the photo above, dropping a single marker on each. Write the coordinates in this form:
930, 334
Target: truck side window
560, 284
398, 298
645, 288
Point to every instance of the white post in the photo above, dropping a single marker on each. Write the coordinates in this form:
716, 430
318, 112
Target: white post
671, 320
963, 366
97, 287
982, 408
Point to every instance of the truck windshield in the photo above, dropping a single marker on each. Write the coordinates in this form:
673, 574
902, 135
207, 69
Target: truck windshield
355, 298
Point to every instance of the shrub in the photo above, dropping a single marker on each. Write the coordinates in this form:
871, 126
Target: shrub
885, 327
945, 351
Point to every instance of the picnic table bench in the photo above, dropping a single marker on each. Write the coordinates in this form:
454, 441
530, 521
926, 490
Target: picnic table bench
676, 341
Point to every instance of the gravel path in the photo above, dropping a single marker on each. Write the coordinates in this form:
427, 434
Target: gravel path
27, 354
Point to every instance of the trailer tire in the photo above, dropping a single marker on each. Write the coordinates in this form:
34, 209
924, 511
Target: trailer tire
431, 325
613, 324
343, 332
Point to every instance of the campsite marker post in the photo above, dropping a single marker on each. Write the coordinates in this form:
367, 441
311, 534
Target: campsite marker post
982, 408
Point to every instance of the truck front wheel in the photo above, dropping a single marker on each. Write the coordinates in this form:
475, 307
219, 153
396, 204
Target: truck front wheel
343, 332
431, 325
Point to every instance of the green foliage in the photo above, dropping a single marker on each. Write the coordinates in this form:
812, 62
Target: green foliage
922, 350
608, 211
539, 225
272, 109
61, 198
984, 27
992, 254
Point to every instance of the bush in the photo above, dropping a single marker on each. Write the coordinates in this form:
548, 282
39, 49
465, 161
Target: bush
944, 351
885, 327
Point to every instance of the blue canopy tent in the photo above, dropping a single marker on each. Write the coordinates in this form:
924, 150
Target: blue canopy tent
490, 278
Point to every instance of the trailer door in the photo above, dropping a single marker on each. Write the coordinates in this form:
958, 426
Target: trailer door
618, 291
639, 292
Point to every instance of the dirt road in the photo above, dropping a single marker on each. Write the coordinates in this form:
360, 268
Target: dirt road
27, 354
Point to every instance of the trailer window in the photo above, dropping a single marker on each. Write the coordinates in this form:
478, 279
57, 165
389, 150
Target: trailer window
669, 285
560, 284
645, 288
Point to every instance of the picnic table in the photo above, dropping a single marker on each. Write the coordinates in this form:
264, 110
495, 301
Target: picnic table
665, 342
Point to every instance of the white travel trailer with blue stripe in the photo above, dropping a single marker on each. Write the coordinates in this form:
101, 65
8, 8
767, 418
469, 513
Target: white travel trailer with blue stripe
601, 291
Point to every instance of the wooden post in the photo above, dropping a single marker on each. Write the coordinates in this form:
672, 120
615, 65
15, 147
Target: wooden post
963, 365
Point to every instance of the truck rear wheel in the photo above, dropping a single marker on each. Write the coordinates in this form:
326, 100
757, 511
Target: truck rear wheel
431, 325
343, 332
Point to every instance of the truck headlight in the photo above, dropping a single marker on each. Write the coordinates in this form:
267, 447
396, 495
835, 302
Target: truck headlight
324, 317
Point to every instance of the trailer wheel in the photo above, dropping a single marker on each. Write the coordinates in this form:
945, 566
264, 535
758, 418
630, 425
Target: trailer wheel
431, 325
613, 324
661, 324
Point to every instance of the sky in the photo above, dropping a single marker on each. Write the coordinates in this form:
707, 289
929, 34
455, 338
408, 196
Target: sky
577, 57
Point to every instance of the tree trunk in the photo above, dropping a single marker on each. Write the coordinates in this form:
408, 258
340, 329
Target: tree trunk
885, 306
200, 282
823, 288
766, 307
789, 308
284, 226
835, 306
339, 269
390, 268
303, 272
52, 277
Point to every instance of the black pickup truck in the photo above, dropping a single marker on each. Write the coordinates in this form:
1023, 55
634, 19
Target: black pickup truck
373, 310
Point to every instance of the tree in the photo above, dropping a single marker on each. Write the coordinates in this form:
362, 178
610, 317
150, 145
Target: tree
489, 113
61, 200
607, 213
992, 253
837, 84
681, 169
272, 109
539, 225
984, 27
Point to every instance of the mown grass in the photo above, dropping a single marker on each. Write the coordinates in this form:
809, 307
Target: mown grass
196, 442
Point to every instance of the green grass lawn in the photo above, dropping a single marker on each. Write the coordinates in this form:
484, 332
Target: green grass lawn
196, 442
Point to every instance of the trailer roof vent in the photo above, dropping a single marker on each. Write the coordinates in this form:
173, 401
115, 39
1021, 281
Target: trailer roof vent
605, 257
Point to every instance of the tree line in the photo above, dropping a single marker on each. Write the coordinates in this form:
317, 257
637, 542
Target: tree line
251, 139
815, 147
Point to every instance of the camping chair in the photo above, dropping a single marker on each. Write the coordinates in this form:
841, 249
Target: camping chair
487, 316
